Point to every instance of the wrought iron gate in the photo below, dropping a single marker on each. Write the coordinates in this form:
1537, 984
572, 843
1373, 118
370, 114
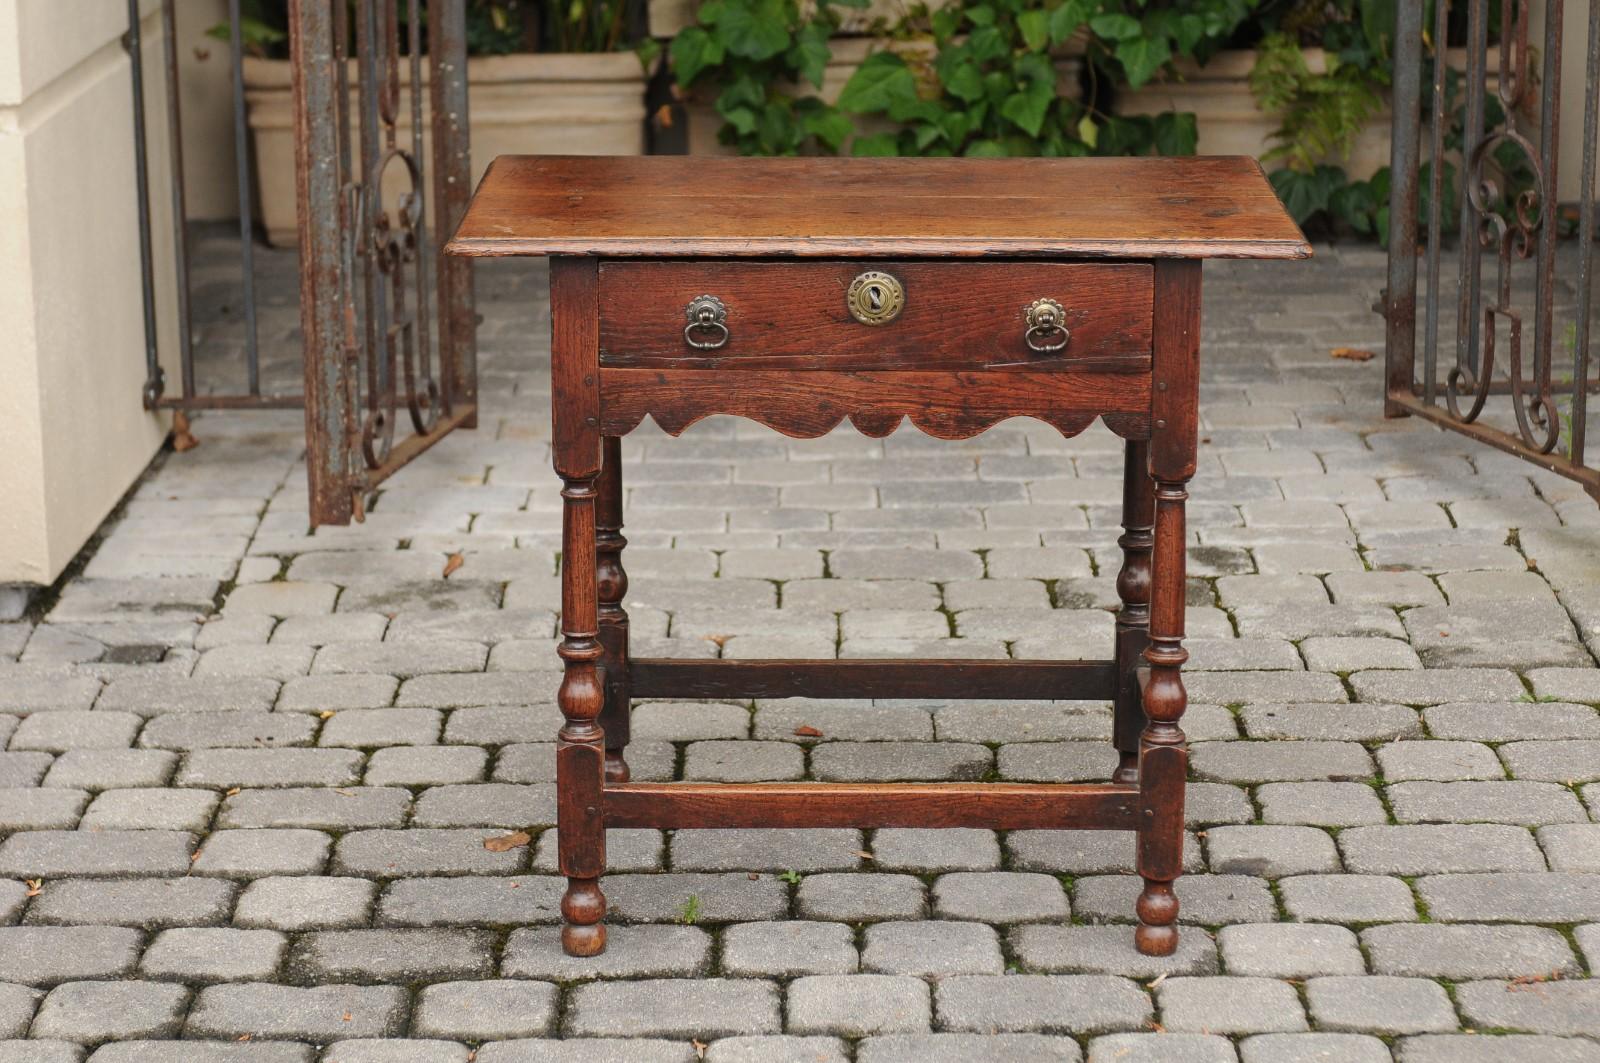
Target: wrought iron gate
378, 304
1498, 152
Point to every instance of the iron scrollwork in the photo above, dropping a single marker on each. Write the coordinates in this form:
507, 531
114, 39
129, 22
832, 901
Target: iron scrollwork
1519, 237
394, 243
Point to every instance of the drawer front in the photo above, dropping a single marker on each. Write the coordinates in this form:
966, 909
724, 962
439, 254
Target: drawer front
952, 315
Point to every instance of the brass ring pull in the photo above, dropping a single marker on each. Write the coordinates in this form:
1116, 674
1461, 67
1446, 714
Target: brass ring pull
1045, 319
706, 314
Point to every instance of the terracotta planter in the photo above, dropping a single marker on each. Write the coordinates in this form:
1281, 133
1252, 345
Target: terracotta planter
1231, 123
848, 55
521, 104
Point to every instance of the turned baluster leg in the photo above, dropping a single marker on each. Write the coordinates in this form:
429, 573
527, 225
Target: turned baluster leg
1163, 755
1133, 619
1163, 758
580, 745
613, 587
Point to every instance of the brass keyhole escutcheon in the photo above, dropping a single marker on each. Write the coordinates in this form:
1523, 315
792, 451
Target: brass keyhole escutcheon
875, 298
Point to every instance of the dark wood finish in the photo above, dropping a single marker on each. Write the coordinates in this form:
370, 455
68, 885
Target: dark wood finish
655, 206
997, 806
1133, 619
612, 584
794, 316
1162, 755
659, 677
580, 744
942, 402
953, 363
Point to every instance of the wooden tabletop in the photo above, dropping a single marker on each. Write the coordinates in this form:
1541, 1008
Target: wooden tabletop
1203, 207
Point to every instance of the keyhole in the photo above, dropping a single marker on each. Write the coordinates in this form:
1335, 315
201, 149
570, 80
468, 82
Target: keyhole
875, 297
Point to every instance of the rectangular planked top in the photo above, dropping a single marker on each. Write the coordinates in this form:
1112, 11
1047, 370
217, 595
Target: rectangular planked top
1217, 206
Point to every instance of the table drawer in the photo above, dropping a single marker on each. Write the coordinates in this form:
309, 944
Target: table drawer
940, 315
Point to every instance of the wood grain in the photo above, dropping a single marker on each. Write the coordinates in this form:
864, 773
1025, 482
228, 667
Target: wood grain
793, 315
947, 404
660, 677
580, 744
994, 806
1202, 207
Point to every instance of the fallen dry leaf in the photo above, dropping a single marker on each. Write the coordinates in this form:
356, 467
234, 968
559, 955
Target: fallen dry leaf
348, 1016
806, 731
231, 791
326, 714
453, 562
1531, 981
699, 1048
34, 885
1353, 354
507, 842
865, 855
664, 115
1162, 977
718, 640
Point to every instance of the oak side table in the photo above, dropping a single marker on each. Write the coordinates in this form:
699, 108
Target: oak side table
801, 292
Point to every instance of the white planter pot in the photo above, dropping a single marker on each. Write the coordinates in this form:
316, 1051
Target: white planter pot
1230, 122
521, 104
848, 55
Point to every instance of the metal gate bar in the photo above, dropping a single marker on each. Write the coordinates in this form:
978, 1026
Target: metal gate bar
1519, 222
376, 298
366, 263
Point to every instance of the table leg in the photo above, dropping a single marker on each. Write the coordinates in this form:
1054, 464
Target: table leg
580, 745
580, 749
612, 581
1133, 619
1163, 755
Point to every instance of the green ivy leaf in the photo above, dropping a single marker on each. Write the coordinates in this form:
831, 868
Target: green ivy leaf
1028, 107
810, 53
1088, 131
1377, 23
876, 144
986, 149
827, 123
1176, 133
1142, 57
980, 15
1068, 19
1115, 27
988, 43
693, 50
1035, 29
964, 82
879, 82
1306, 194
926, 134
946, 21
754, 29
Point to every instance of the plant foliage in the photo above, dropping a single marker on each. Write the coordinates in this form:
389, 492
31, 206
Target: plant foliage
493, 27
974, 77
758, 56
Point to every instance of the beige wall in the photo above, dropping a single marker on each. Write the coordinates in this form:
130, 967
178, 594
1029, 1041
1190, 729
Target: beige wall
73, 434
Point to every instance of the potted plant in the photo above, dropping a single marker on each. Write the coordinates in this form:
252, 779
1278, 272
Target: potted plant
543, 78
1025, 77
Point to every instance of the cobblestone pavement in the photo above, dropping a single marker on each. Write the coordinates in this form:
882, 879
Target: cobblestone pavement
249, 772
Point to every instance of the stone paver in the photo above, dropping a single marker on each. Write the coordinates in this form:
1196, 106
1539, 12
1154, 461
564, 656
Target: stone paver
251, 816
